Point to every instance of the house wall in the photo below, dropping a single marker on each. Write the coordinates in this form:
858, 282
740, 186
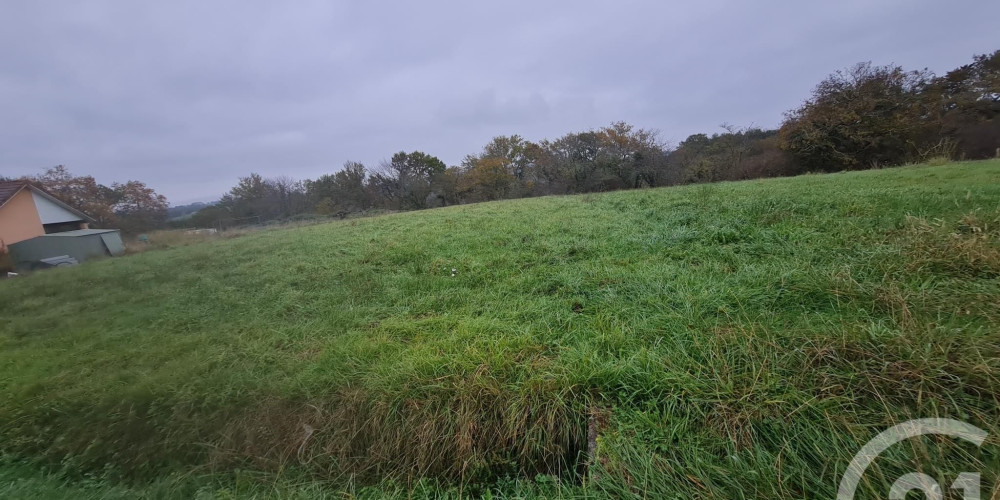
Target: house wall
19, 219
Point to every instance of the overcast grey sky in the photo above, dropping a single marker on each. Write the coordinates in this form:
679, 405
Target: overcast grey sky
189, 95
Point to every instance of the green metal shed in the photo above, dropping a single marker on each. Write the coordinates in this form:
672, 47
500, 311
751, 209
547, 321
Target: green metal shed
82, 245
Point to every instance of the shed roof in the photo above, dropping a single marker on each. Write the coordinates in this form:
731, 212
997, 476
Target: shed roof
83, 232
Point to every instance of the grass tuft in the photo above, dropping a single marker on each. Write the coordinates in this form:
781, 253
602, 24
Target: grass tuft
967, 248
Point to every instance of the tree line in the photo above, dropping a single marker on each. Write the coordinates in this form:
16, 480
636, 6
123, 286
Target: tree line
865, 116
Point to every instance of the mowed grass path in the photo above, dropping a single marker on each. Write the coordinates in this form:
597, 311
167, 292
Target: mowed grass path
726, 340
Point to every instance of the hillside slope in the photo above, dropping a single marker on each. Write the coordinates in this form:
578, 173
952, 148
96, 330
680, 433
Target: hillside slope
726, 340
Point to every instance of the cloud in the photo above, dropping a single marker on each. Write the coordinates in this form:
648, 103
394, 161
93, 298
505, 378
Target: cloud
487, 108
188, 95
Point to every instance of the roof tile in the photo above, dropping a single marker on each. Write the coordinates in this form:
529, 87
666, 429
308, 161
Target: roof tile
9, 188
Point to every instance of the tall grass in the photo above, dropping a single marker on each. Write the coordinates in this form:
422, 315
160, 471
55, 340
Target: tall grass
726, 341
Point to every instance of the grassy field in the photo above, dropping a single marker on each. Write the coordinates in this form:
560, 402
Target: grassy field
735, 340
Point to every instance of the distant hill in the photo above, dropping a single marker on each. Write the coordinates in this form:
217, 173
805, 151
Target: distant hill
181, 212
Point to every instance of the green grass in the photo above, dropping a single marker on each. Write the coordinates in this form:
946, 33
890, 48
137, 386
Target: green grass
734, 340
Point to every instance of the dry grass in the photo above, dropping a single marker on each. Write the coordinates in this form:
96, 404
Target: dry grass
968, 248
173, 238
168, 238
474, 432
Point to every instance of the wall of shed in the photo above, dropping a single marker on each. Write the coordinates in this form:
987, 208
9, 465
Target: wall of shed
81, 248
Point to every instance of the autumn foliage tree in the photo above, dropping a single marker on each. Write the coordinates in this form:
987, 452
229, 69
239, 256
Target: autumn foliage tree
137, 207
80, 192
635, 156
130, 206
866, 116
619, 156
502, 169
738, 153
487, 178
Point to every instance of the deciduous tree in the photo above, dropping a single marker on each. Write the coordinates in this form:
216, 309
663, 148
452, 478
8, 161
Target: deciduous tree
137, 207
344, 191
862, 117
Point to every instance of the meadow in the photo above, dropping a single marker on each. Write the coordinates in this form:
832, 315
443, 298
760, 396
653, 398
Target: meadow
730, 340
